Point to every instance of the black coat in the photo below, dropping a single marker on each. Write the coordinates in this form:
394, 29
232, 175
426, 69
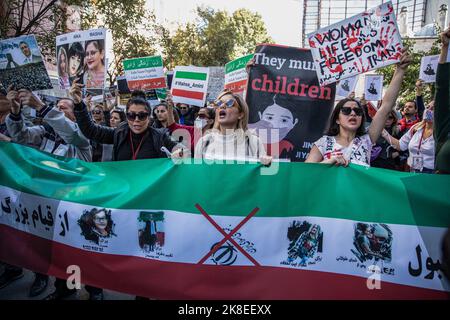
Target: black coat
118, 136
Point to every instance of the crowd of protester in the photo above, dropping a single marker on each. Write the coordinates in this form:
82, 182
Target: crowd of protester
77, 128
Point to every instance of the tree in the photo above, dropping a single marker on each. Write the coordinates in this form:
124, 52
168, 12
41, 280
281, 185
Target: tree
216, 38
407, 92
44, 19
132, 27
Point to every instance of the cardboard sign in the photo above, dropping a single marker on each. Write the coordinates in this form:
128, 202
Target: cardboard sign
21, 64
346, 86
144, 73
189, 85
373, 87
428, 68
364, 42
236, 75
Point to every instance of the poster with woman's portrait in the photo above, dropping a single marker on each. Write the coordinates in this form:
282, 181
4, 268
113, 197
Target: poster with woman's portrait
81, 56
96, 225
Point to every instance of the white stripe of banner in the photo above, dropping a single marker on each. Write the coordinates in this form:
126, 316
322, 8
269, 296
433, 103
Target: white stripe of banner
188, 237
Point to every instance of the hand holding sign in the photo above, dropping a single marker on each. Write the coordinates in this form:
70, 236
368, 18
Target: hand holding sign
13, 99
75, 91
27, 98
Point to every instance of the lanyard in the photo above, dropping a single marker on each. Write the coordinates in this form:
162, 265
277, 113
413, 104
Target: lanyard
134, 154
420, 142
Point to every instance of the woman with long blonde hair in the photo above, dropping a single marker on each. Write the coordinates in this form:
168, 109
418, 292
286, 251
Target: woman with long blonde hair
230, 138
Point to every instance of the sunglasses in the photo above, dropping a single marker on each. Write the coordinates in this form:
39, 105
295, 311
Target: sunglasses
347, 110
183, 108
96, 112
228, 104
133, 115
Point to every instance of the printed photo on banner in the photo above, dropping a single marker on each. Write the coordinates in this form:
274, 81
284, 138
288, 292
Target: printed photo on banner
372, 242
236, 74
373, 87
97, 225
364, 42
81, 55
190, 85
305, 244
346, 86
428, 68
21, 64
288, 108
144, 73
151, 235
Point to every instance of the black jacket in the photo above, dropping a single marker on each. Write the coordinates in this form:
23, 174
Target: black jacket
118, 136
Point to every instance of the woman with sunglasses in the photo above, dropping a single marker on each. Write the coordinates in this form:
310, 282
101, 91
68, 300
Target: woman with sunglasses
346, 140
230, 138
131, 140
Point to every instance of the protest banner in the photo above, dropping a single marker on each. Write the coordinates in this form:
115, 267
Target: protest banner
144, 73
373, 87
189, 85
288, 108
216, 82
286, 243
236, 75
21, 64
81, 55
346, 86
364, 42
428, 68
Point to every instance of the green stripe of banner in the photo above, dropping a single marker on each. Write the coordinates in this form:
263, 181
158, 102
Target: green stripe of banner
298, 189
140, 63
190, 75
238, 63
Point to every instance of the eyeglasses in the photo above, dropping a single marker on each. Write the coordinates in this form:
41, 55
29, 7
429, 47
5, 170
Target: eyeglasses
100, 219
347, 110
133, 115
229, 103
91, 53
202, 116
183, 108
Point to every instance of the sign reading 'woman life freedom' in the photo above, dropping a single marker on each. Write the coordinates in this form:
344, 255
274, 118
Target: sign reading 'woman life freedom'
364, 42
145, 73
189, 85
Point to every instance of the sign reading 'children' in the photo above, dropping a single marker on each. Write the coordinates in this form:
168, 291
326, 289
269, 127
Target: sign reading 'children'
288, 108
364, 42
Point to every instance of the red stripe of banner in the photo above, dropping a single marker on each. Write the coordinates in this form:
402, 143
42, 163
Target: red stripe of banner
156, 83
238, 86
188, 94
170, 280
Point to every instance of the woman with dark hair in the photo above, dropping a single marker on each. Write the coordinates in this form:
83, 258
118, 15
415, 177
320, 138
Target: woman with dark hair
96, 224
117, 117
94, 76
63, 67
76, 62
131, 140
346, 140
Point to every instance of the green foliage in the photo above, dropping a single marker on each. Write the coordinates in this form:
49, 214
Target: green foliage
131, 27
215, 39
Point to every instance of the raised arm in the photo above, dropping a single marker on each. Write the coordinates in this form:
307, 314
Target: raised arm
389, 98
90, 130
